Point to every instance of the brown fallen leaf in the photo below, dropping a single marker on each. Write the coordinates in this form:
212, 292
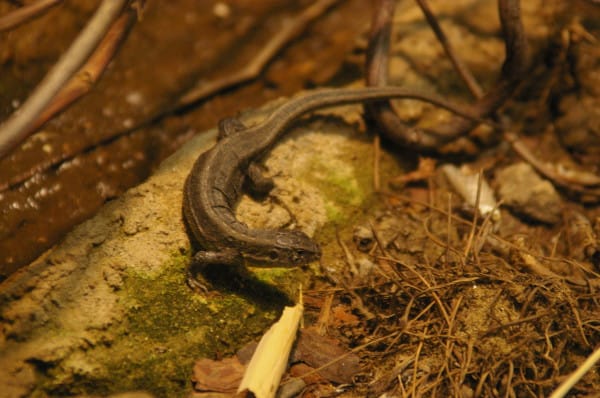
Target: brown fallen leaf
219, 376
317, 351
343, 316
307, 373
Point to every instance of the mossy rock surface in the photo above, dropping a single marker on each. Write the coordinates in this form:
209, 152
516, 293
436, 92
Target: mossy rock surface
108, 310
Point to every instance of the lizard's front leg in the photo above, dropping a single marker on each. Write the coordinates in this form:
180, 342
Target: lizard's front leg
202, 259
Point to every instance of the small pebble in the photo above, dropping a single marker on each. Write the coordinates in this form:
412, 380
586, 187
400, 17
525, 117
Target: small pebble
527, 194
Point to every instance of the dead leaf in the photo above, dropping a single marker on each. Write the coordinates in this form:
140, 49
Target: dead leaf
220, 376
316, 351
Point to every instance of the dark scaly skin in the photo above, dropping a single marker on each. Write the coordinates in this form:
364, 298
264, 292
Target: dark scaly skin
214, 184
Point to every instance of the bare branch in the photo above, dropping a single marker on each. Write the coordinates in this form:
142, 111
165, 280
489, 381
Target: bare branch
16, 128
288, 31
462, 70
515, 64
25, 13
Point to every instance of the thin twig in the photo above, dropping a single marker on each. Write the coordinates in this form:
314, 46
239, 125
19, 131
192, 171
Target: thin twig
415, 368
80, 84
515, 64
439, 242
509, 378
15, 129
583, 183
26, 13
475, 215
350, 260
484, 229
462, 70
524, 252
376, 162
288, 31
324, 315
201, 92
424, 281
514, 323
448, 229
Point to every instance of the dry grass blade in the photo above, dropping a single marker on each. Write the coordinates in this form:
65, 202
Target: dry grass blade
475, 214
508, 330
585, 367
270, 359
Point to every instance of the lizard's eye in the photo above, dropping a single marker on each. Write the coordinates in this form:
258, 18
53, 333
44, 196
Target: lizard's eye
273, 255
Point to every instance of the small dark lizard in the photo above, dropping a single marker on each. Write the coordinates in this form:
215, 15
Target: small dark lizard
215, 182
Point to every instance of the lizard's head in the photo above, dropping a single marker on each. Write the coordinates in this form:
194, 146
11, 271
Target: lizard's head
296, 247
290, 249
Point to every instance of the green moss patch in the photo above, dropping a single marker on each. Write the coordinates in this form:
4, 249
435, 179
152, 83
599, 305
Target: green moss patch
166, 328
